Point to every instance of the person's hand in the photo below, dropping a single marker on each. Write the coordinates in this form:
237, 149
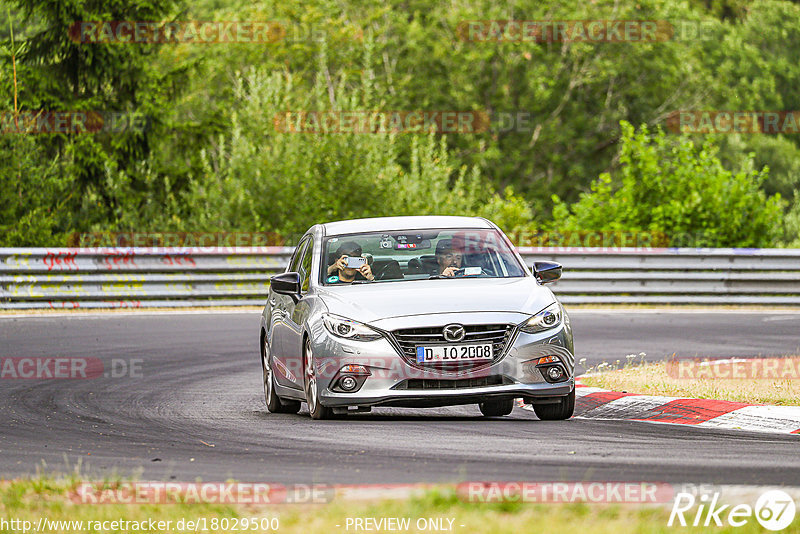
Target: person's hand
450, 271
366, 271
338, 265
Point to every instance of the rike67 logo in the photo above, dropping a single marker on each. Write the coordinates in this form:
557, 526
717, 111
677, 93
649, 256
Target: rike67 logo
774, 510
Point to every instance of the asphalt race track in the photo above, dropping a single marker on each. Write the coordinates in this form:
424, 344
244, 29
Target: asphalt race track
197, 410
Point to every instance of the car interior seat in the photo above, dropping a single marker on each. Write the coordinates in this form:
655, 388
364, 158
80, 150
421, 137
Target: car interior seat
425, 264
387, 270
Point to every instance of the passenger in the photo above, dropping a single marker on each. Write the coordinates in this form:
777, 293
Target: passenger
449, 254
339, 272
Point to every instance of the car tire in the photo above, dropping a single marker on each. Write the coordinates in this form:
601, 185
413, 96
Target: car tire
556, 412
496, 408
274, 403
315, 409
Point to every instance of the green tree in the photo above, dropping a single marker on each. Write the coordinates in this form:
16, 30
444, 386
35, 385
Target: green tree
56, 72
203, 138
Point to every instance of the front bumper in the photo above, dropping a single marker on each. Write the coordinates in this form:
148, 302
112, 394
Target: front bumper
394, 382
438, 398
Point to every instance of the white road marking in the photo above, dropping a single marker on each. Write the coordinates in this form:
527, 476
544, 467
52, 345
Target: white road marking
785, 419
629, 407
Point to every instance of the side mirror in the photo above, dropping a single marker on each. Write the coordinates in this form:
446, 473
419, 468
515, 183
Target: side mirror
286, 284
546, 271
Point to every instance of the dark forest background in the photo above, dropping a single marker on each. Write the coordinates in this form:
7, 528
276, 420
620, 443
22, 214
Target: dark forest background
596, 154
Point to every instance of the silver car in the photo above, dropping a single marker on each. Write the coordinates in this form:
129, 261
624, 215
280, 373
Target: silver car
414, 312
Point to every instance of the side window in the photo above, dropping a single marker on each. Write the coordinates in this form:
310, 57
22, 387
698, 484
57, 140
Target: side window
305, 266
294, 264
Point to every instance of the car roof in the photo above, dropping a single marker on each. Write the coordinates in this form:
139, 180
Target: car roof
391, 224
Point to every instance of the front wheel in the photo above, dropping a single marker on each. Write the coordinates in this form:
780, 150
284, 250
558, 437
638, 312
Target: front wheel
497, 408
556, 412
315, 409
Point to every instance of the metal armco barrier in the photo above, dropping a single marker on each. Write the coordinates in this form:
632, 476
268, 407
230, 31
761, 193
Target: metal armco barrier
142, 277
137, 277
675, 275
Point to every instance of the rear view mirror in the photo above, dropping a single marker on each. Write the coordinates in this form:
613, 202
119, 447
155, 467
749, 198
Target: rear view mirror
286, 284
546, 271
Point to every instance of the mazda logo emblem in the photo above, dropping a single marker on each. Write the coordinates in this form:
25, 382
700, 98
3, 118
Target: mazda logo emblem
454, 333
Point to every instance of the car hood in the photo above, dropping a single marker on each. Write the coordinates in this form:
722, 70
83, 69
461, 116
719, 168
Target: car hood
380, 303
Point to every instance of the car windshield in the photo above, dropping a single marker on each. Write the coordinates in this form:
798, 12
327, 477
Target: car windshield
418, 255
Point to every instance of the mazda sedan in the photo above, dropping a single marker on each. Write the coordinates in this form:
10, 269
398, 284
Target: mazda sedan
415, 312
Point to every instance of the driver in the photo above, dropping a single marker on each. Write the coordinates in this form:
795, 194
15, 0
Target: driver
340, 272
449, 254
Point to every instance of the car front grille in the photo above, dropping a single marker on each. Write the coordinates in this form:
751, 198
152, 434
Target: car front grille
460, 383
407, 340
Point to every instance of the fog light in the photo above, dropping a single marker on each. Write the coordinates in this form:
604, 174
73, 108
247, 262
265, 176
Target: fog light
555, 373
348, 383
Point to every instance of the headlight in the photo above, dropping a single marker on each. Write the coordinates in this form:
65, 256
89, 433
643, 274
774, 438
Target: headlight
348, 329
548, 318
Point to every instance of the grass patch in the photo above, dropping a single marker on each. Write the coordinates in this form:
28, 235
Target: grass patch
706, 381
31, 499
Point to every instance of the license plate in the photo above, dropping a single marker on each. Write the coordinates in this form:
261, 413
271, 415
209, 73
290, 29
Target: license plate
454, 353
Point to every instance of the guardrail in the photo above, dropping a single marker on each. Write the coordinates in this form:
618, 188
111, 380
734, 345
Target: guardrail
137, 277
676, 276
143, 277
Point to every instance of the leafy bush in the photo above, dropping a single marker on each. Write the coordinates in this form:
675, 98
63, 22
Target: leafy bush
668, 185
259, 178
793, 226
35, 191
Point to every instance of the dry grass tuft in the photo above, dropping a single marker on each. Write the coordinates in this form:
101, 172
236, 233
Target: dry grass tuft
762, 381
